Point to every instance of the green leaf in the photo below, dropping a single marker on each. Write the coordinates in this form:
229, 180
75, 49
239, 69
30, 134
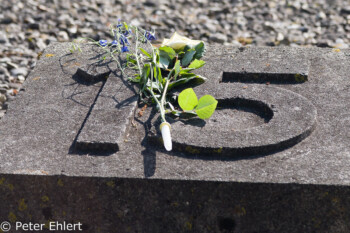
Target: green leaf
145, 52
188, 57
206, 106
158, 75
181, 54
126, 26
168, 50
177, 69
184, 71
166, 55
188, 99
185, 74
129, 58
186, 48
190, 77
164, 62
131, 61
200, 50
153, 85
157, 56
196, 64
146, 70
135, 79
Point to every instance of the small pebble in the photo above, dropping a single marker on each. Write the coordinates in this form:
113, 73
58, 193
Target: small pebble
19, 71
218, 38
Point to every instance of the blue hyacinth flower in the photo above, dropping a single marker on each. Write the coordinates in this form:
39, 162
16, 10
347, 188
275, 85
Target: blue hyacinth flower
125, 49
103, 43
124, 40
126, 33
114, 43
119, 23
149, 36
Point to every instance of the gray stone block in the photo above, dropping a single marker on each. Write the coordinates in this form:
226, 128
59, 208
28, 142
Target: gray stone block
274, 158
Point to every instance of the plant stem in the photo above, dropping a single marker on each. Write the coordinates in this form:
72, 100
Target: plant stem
161, 107
136, 49
107, 51
153, 55
118, 41
164, 92
115, 59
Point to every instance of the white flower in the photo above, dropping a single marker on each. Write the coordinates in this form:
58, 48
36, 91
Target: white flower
165, 129
177, 41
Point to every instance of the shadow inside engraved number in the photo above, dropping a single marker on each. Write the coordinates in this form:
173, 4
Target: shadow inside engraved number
272, 78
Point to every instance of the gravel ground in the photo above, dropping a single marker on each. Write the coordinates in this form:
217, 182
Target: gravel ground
27, 27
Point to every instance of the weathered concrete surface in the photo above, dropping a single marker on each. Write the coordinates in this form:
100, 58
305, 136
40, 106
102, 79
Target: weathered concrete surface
275, 190
157, 206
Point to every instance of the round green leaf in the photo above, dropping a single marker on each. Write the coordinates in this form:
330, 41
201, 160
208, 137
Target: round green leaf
188, 99
206, 106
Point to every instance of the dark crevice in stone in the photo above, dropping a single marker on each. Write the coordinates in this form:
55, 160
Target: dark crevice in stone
273, 78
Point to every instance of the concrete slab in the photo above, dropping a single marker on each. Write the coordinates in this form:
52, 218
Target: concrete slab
183, 189
55, 102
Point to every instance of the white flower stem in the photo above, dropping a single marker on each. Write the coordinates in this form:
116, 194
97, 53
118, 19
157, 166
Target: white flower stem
165, 126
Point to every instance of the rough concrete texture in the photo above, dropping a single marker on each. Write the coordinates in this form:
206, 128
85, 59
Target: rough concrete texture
160, 205
300, 186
